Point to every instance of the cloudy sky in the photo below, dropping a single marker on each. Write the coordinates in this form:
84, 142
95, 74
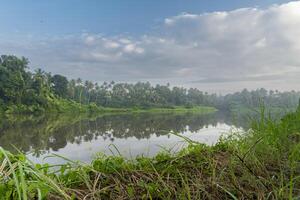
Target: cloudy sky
212, 45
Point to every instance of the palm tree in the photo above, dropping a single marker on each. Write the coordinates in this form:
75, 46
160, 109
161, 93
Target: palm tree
90, 87
79, 82
97, 88
72, 85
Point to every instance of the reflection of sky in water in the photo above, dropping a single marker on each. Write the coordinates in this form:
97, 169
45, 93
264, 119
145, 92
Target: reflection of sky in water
131, 147
81, 137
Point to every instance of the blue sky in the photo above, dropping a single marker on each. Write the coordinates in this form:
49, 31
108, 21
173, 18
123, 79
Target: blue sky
213, 45
106, 17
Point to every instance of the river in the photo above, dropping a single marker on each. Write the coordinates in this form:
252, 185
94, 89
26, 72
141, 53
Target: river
83, 137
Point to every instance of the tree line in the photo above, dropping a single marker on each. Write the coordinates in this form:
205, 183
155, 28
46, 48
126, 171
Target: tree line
273, 99
19, 86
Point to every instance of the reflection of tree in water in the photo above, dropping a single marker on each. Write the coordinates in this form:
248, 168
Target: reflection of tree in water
44, 133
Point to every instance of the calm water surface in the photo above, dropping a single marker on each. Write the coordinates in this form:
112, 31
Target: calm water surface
82, 137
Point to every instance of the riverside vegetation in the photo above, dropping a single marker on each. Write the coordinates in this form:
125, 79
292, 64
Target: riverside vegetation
23, 91
262, 163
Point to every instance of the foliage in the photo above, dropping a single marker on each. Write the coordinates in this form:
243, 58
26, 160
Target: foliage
139, 95
22, 91
278, 102
59, 85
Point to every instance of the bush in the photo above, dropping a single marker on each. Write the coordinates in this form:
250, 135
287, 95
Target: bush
92, 107
168, 106
189, 105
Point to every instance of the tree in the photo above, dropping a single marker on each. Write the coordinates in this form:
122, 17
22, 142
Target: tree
13, 78
60, 85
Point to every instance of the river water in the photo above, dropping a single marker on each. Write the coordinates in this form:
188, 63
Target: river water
82, 137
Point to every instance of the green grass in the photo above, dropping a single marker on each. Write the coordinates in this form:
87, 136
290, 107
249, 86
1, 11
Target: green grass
66, 106
175, 109
263, 163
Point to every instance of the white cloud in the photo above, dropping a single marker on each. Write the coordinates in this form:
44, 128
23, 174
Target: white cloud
247, 47
89, 40
129, 48
124, 41
132, 48
261, 43
112, 45
183, 16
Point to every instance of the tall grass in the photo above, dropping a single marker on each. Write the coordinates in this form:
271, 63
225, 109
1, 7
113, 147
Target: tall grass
263, 163
22, 179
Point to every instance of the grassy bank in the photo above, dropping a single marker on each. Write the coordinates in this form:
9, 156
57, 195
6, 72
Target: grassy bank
177, 109
67, 106
262, 164
92, 108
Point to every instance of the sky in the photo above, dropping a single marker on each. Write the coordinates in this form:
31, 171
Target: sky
216, 46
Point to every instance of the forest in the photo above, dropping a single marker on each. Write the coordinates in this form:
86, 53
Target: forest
22, 90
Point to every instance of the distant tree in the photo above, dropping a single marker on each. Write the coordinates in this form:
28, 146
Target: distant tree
60, 85
18, 86
13, 78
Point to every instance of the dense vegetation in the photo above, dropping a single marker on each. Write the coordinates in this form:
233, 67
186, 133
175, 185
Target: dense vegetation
145, 95
263, 163
24, 91
273, 100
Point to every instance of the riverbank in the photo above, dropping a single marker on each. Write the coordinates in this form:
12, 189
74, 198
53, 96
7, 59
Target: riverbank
177, 109
261, 164
66, 106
